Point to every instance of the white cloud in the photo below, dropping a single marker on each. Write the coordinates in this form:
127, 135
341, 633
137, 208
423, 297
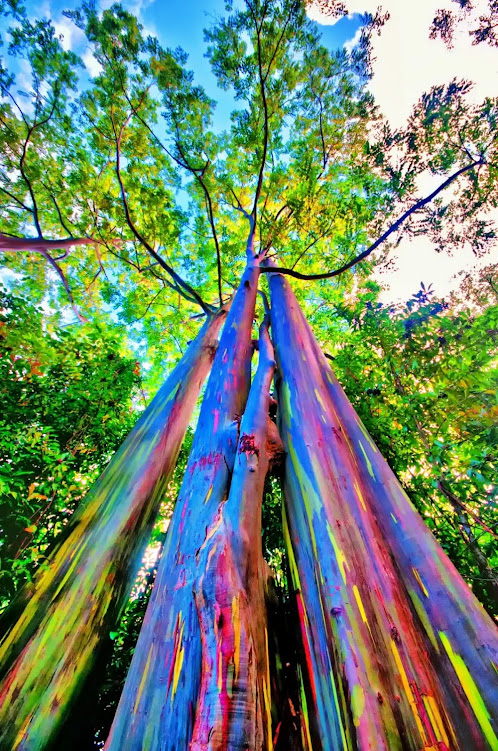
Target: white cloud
407, 63
91, 63
348, 46
24, 83
71, 37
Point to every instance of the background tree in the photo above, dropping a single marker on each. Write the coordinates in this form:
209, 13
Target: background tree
56, 435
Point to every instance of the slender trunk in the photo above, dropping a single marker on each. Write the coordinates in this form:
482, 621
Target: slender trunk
488, 582
57, 624
399, 651
234, 708
157, 710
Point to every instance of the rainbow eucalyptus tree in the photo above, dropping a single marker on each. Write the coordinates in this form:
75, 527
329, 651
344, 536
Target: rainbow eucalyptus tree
200, 675
188, 683
295, 174
400, 654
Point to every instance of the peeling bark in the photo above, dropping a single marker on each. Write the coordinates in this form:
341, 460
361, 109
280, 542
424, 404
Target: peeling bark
157, 710
400, 654
56, 625
234, 706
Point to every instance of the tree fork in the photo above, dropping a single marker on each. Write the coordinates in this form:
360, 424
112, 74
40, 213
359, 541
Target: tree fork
157, 709
56, 625
399, 652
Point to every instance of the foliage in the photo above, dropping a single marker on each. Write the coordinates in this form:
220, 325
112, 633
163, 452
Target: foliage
422, 376
129, 162
140, 172
482, 27
67, 402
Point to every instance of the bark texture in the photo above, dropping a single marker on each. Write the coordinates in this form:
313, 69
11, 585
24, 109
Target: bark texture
158, 707
234, 706
57, 624
400, 654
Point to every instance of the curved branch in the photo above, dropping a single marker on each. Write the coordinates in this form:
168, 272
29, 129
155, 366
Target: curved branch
209, 204
40, 247
176, 277
361, 256
262, 81
185, 165
31, 130
16, 199
215, 235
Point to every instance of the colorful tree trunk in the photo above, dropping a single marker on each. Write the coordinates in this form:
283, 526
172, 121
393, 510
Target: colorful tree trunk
157, 709
58, 623
234, 706
400, 654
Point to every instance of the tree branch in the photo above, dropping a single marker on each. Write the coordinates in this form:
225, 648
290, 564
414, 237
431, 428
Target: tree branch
176, 277
39, 244
209, 204
31, 130
262, 80
17, 200
361, 256
183, 286
41, 249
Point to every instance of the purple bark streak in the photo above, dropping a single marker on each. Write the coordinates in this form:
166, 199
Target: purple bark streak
51, 646
400, 653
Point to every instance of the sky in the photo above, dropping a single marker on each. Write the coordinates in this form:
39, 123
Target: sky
180, 24
406, 64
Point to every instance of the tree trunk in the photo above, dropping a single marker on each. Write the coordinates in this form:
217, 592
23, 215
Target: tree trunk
399, 652
234, 707
57, 624
157, 710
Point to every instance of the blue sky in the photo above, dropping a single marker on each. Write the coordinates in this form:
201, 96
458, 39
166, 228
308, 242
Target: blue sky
179, 24
182, 23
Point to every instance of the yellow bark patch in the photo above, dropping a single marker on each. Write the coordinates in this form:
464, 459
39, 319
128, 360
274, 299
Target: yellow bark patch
236, 628
340, 557
409, 692
420, 582
436, 719
142, 682
359, 494
357, 703
178, 661
367, 460
472, 692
